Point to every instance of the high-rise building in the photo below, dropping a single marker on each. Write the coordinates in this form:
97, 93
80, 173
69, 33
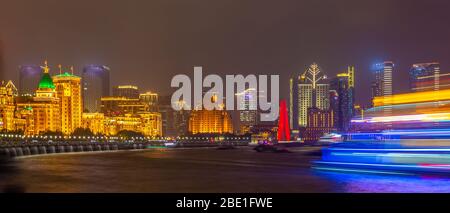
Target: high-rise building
29, 76
307, 90
174, 123
342, 99
95, 83
424, 77
382, 84
247, 117
68, 90
128, 91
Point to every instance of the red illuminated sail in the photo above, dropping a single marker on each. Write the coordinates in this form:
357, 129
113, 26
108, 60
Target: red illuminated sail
284, 133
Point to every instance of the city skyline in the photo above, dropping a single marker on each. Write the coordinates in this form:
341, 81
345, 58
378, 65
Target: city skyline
245, 103
186, 38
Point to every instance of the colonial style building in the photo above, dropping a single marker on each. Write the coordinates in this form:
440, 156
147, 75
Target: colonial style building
7, 94
68, 90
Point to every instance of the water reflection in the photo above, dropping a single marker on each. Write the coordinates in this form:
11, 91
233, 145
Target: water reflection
385, 183
199, 170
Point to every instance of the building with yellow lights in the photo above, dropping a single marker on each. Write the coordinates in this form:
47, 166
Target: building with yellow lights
129, 110
147, 123
95, 122
151, 100
44, 107
128, 91
210, 121
68, 91
8, 92
114, 106
24, 120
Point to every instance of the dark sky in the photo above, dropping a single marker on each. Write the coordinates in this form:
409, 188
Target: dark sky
146, 42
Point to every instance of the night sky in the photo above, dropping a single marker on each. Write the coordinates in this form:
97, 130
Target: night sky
147, 42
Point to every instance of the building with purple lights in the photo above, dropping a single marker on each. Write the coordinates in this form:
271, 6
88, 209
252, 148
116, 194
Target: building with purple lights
95, 85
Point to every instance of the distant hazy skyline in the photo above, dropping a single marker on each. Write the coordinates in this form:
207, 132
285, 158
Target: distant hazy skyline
147, 42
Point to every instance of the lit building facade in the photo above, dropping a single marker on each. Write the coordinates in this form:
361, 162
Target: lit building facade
68, 91
24, 121
382, 83
96, 84
342, 96
307, 90
8, 92
94, 121
128, 91
424, 77
247, 117
44, 107
114, 106
149, 124
174, 123
319, 123
29, 77
151, 99
210, 122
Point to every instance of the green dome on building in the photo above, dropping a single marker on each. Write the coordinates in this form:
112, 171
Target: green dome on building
46, 82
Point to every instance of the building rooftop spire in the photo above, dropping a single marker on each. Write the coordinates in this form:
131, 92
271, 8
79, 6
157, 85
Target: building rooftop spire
46, 81
46, 68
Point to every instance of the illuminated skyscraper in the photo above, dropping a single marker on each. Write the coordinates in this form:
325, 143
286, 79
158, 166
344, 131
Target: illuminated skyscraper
174, 123
247, 117
29, 76
128, 91
342, 95
306, 91
95, 83
382, 84
424, 77
68, 90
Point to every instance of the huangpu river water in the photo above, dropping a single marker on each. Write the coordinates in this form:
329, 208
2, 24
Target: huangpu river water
199, 170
